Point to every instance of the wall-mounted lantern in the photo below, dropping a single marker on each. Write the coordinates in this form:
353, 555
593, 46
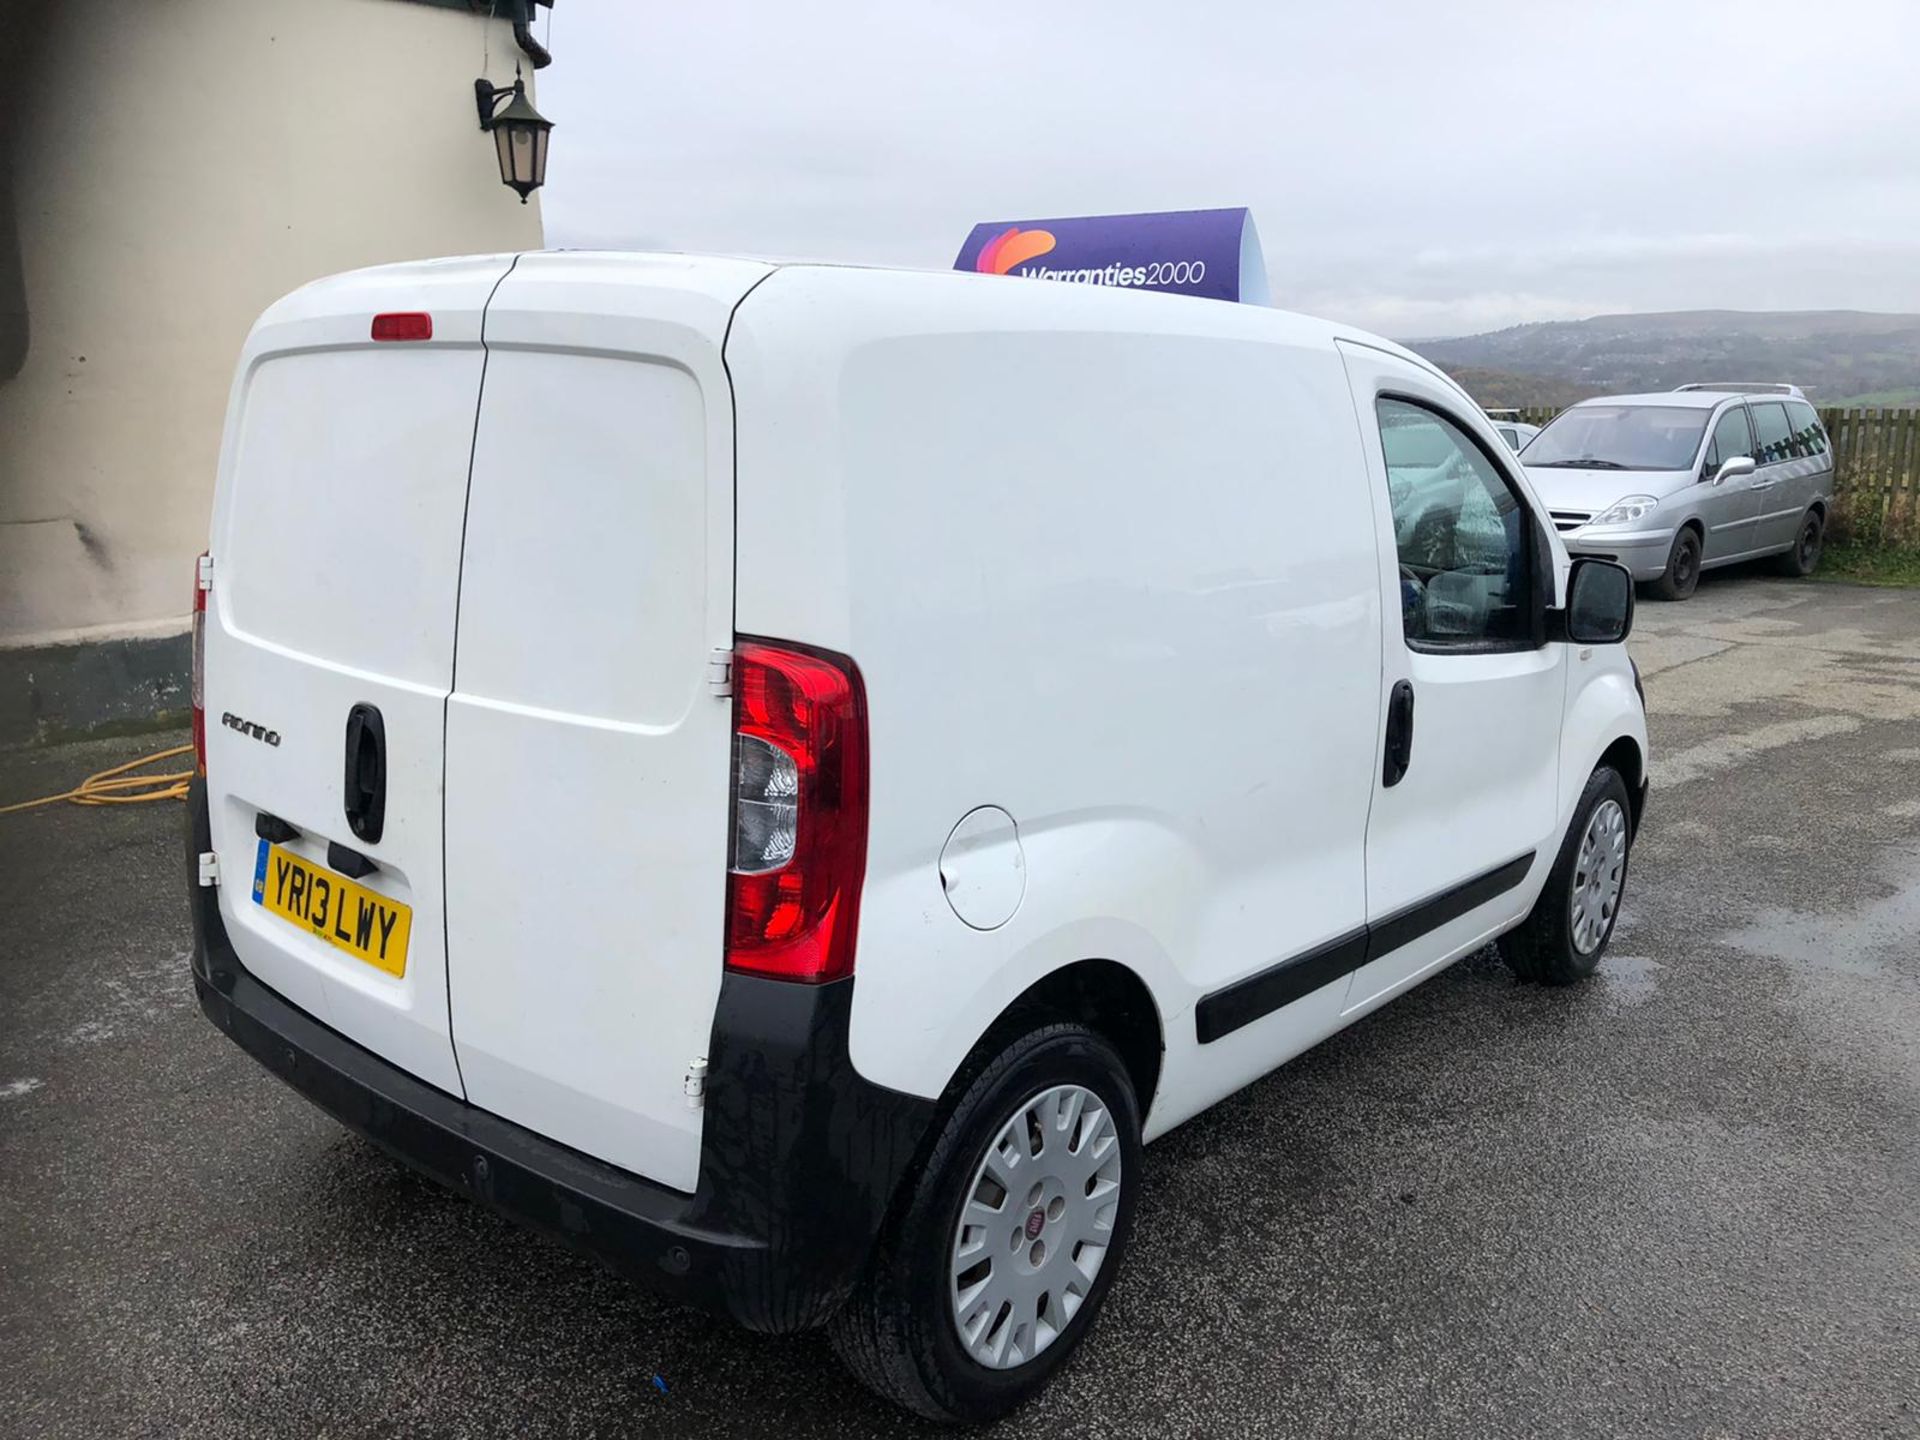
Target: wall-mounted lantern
519, 134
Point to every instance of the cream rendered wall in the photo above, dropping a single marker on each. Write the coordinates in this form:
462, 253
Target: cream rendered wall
184, 164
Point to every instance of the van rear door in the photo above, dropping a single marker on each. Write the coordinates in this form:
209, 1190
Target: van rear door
336, 565
589, 735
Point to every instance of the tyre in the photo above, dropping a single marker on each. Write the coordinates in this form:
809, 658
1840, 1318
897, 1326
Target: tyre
1682, 574
1562, 940
1000, 1250
1801, 560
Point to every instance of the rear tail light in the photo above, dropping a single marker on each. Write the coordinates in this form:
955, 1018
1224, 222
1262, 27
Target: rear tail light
202, 583
799, 844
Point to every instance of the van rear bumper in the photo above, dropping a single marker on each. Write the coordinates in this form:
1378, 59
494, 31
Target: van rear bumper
800, 1156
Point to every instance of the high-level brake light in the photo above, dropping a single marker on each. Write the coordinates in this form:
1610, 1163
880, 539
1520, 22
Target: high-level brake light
403, 325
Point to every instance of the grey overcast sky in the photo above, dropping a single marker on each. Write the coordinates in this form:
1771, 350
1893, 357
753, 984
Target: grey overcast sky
1422, 167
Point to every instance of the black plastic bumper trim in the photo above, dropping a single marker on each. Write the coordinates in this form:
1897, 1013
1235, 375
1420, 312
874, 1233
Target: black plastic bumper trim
1260, 994
800, 1156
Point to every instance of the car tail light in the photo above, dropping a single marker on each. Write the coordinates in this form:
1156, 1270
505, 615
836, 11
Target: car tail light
799, 842
202, 583
403, 325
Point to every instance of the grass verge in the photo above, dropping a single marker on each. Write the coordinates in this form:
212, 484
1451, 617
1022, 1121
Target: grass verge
1871, 564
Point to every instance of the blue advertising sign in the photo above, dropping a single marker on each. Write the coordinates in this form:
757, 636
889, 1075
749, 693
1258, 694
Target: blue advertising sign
1214, 254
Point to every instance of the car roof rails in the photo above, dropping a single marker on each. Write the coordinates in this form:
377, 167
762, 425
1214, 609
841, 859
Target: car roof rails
1746, 387
1500, 412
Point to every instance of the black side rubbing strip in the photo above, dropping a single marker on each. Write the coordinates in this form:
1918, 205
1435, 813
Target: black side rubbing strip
1245, 1001
1408, 925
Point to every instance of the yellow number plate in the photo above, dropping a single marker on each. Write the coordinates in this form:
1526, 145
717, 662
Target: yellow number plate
347, 915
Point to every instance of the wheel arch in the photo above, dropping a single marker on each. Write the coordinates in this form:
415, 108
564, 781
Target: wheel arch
1605, 724
1625, 756
1107, 997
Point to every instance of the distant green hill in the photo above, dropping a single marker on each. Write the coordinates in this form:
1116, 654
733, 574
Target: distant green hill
1836, 356
1880, 399
1496, 388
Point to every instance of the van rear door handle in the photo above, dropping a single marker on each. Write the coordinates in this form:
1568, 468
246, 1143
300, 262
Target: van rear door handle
1399, 734
365, 786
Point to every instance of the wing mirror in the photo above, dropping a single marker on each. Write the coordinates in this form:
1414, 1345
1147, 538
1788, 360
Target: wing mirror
1599, 604
1732, 469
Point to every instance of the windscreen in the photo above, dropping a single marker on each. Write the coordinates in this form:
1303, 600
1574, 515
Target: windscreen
1620, 437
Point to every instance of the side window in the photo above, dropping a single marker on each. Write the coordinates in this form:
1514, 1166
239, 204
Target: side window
1772, 435
1465, 556
1797, 446
1730, 438
1807, 429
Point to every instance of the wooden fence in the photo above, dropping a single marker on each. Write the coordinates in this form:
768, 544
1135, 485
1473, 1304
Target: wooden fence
1876, 479
1876, 474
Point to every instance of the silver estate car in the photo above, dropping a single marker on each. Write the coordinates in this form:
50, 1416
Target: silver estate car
1673, 484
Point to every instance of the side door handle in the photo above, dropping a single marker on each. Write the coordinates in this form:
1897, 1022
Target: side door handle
365, 787
1399, 734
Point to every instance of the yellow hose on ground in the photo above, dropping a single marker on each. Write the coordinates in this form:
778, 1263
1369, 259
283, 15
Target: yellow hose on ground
117, 787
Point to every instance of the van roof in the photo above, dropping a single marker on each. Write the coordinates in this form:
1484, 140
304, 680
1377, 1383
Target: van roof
1196, 317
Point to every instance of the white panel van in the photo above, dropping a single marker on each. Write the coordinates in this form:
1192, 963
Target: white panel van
785, 777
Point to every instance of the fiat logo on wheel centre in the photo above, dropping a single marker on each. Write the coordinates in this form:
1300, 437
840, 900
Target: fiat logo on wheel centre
1034, 1223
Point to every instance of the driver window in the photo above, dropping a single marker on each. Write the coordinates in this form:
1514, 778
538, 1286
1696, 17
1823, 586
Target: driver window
1461, 533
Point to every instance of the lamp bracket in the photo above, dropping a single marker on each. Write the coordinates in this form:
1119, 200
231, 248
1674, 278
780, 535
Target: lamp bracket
487, 97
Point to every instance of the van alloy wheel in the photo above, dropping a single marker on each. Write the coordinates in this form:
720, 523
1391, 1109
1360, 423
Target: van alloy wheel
1565, 934
1598, 875
1008, 1232
1036, 1226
